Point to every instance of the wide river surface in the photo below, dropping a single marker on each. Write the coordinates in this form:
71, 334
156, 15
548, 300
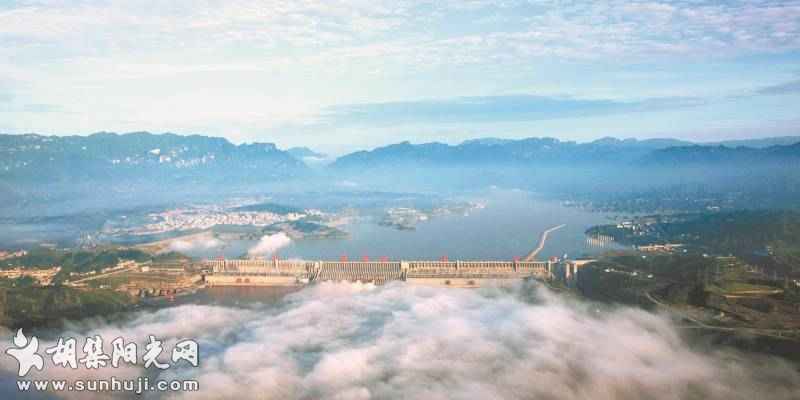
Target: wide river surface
509, 226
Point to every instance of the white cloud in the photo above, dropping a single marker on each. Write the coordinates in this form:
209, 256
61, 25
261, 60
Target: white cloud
547, 28
269, 244
247, 68
202, 243
354, 341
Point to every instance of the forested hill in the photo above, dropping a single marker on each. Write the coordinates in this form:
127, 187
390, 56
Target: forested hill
745, 232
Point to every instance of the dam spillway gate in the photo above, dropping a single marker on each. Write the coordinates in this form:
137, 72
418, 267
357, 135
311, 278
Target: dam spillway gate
257, 272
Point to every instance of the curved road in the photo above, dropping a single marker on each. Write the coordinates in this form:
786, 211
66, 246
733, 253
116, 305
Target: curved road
532, 255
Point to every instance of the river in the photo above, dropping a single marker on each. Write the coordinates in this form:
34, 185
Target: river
509, 226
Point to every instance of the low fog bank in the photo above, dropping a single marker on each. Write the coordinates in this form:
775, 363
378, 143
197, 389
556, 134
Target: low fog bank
353, 341
269, 244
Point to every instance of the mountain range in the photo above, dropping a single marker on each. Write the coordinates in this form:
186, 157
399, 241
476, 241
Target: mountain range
305, 153
140, 156
757, 143
169, 158
553, 152
43, 175
780, 155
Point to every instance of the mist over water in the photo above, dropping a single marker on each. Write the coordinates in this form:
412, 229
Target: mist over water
359, 341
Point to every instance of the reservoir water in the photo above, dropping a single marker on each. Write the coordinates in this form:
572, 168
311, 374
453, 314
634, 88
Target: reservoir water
509, 226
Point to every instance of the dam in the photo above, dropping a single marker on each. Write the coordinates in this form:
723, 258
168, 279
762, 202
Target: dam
259, 272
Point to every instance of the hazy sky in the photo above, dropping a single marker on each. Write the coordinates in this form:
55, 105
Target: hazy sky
342, 74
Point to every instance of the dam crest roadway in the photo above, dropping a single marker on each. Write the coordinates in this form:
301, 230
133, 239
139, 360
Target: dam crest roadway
260, 272
444, 273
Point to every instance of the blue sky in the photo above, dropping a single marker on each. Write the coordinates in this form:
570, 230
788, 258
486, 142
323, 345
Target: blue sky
337, 75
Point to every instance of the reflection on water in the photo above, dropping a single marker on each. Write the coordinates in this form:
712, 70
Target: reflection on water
509, 226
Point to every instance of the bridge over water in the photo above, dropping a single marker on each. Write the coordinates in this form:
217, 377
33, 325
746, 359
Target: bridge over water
258, 272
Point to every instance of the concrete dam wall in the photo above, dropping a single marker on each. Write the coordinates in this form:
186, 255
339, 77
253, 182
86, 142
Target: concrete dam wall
440, 273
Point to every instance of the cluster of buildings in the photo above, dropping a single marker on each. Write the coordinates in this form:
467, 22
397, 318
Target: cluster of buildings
120, 266
659, 248
638, 227
403, 217
201, 219
644, 223
626, 272
140, 279
168, 269
42, 276
407, 217
6, 254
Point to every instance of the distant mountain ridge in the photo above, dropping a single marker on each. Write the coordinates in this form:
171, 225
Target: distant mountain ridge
741, 156
165, 158
304, 152
530, 151
50, 174
757, 143
139, 156
551, 151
